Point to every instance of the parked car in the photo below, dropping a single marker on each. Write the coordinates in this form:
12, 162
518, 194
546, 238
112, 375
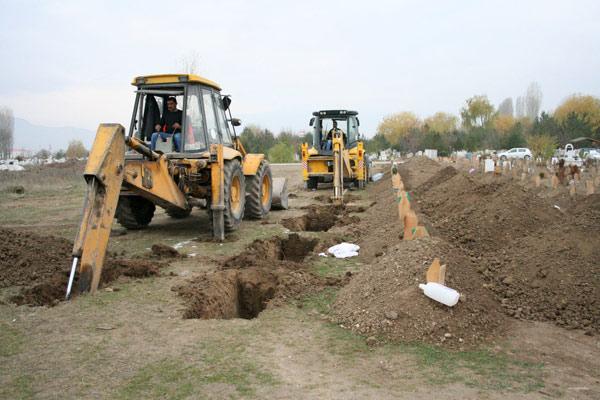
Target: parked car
515, 153
593, 154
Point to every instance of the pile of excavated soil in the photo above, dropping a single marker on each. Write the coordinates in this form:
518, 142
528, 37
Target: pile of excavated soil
550, 275
40, 265
480, 216
384, 298
245, 292
417, 170
541, 263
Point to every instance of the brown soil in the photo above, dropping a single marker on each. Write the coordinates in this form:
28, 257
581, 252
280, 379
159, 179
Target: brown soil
384, 298
163, 251
244, 293
508, 250
273, 251
318, 219
541, 263
267, 272
40, 265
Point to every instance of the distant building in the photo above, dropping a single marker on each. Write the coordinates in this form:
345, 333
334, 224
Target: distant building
25, 153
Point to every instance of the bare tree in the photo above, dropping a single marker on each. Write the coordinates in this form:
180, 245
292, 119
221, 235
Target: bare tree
520, 107
533, 101
7, 128
189, 63
506, 107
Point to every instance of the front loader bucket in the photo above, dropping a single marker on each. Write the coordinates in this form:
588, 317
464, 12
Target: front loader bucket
104, 176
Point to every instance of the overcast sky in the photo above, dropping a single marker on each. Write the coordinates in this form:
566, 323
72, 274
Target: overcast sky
70, 63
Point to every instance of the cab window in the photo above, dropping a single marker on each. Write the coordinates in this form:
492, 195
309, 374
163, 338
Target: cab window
195, 138
221, 120
352, 130
211, 120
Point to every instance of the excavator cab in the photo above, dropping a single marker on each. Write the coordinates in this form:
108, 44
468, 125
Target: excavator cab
335, 155
127, 178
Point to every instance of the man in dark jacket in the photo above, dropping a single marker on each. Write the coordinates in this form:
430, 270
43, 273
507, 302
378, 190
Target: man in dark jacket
170, 124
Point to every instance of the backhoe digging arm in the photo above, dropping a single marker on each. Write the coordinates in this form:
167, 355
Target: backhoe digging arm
104, 176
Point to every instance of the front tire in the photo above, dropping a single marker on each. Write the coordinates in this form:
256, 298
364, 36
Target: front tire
259, 192
234, 195
134, 212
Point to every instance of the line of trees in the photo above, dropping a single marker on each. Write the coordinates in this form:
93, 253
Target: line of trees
281, 148
483, 126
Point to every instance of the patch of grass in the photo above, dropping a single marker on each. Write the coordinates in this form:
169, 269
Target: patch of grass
320, 301
476, 368
333, 267
11, 340
18, 388
220, 362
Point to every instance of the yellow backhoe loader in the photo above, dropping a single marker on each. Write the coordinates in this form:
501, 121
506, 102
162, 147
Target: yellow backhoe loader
200, 163
337, 153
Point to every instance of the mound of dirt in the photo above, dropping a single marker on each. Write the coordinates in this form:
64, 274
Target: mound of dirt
541, 263
27, 259
163, 251
417, 170
40, 265
274, 251
244, 293
551, 276
384, 298
481, 216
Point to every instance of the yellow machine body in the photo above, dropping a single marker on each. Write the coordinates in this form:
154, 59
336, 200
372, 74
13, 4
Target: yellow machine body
126, 178
342, 162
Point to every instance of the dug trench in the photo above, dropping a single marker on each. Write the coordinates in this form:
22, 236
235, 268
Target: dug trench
266, 274
39, 266
322, 218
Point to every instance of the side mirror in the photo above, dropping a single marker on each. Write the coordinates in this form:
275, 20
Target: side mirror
312, 121
236, 122
357, 121
226, 102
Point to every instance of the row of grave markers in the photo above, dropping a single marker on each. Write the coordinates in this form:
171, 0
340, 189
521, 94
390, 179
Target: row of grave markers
521, 169
412, 230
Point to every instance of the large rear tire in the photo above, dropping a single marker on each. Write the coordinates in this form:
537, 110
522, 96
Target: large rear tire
134, 212
235, 195
259, 192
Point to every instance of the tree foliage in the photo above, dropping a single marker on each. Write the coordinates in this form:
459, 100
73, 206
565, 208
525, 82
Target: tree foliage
76, 149
477, 113
282, 152
7, 127
503, 123
542, 146
582, 109
43, 154
396, 126
506, 107
533, 101
257, 140
441, 122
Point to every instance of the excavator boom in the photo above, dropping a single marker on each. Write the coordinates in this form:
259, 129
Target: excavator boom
104, 176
